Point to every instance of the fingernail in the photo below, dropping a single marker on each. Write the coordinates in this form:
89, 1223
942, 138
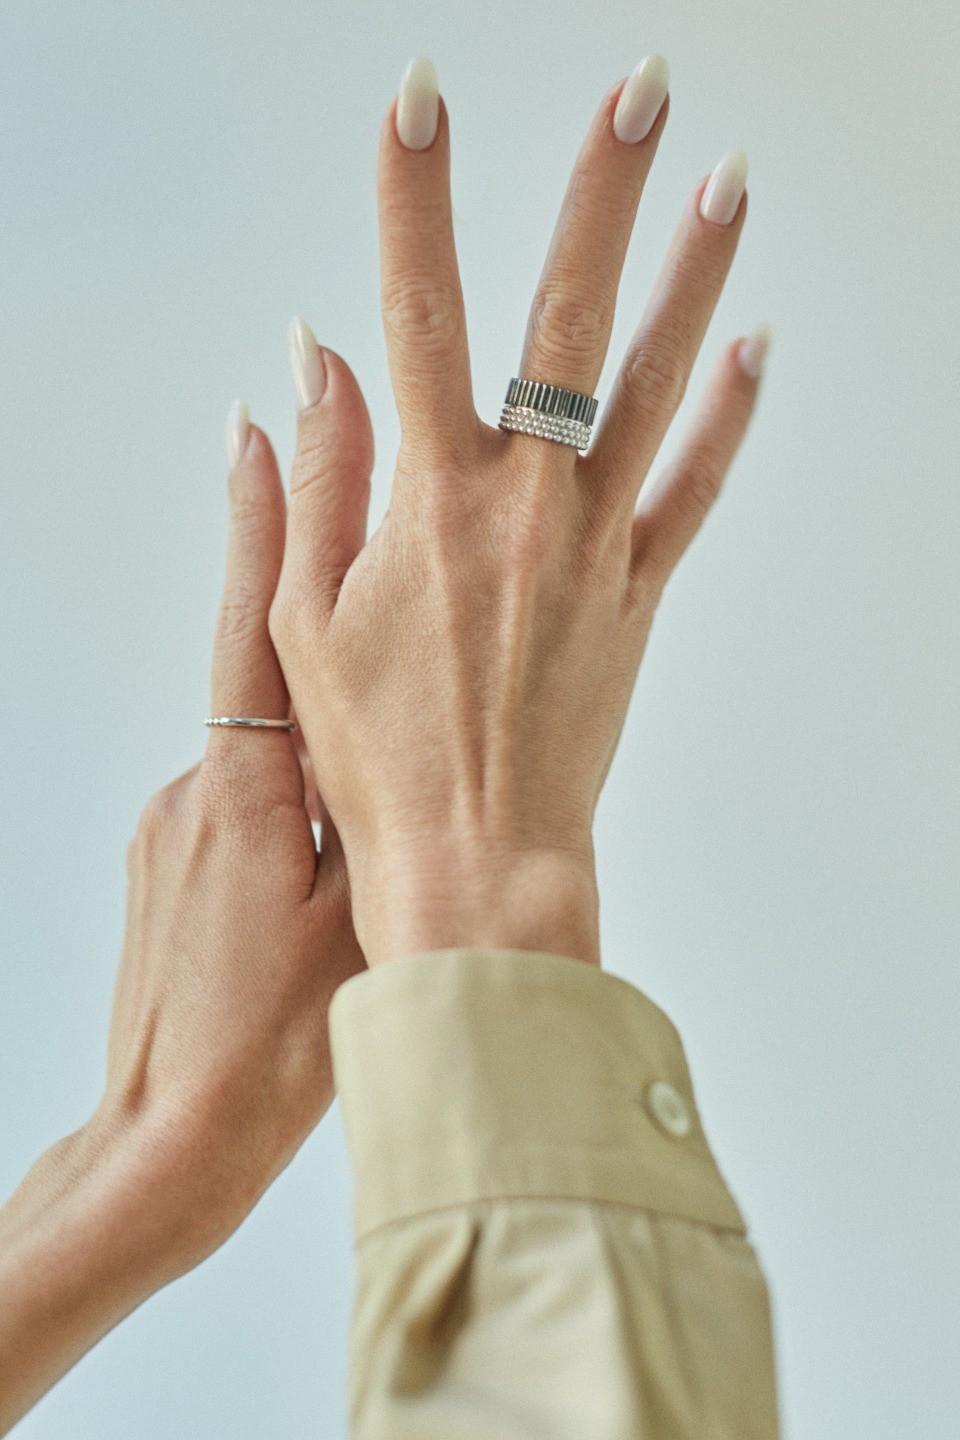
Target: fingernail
640, 100
721, 197
752, 351
418, 104
306, 359
238, 430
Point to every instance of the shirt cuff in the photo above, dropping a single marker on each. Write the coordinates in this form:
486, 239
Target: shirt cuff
474, 1074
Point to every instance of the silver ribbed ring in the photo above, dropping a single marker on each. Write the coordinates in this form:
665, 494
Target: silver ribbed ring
551, 412
250, 722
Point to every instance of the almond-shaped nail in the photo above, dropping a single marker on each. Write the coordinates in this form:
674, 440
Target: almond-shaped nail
418, 104
306, 360
238, 431
721, 197
641, 99
752, 351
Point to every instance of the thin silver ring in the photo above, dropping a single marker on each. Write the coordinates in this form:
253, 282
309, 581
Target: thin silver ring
250, 722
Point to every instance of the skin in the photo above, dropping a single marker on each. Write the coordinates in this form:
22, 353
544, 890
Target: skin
238, 934
482, 646
461, 681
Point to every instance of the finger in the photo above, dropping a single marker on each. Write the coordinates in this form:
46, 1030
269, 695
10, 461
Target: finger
247, 680
653, 377
421, 297
330, 485
568, 330
672, 511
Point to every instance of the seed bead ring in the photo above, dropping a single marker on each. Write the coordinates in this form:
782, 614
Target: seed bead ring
550, 412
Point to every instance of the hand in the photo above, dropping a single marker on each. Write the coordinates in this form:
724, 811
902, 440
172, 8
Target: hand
238, 934
481, 649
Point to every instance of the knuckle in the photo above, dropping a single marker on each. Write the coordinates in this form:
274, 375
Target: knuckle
156, 817
644, 587
603, 541
596, 197
655, 374
315, 457
438, 494
280, 620
702, 478
438, 458
232, 805
295, 613
421, 308
570, 322
248, 516
702, 269
242, 614
227, 782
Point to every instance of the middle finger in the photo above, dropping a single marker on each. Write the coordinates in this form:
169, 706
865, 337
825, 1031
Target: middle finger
568, 330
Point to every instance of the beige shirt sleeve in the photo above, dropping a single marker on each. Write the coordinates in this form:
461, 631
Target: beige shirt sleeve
546, 1248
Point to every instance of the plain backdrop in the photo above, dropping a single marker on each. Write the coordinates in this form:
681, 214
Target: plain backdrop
779, 841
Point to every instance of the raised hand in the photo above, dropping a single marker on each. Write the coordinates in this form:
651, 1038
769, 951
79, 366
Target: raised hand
463, 677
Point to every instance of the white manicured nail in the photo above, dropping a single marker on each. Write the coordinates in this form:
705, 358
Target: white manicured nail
752, 351
238, 431
306, 360
418, 104
640, 100
721, 198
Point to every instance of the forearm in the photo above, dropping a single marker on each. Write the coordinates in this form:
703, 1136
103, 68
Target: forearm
80, 1248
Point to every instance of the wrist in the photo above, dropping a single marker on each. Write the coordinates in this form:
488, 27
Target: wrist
80, 1248
444, 893
99, 1191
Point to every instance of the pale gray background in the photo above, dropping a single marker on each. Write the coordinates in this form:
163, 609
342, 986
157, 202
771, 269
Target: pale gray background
779, 840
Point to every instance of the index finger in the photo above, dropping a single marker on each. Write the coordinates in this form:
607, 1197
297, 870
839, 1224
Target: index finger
421, 298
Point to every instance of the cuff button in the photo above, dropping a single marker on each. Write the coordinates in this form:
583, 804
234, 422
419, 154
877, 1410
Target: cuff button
668, 1108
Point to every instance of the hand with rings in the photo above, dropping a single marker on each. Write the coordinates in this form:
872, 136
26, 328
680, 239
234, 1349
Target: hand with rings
218, 1066
459, 680
462, 678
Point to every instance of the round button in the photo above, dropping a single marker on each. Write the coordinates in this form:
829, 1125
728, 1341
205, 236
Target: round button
668, 1108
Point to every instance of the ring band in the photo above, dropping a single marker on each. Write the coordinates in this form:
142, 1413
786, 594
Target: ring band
250, 722
550, 412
